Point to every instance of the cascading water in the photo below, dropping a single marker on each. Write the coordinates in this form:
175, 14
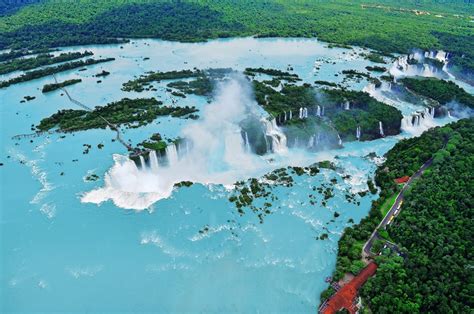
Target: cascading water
422, 67
278, 138
358, 133
291, 115
303, 113
142, 162
318, 111
432, 112
347, 106
418, 122
153, 161
171, 154
216, 154
246, 142
381, 129
339, 139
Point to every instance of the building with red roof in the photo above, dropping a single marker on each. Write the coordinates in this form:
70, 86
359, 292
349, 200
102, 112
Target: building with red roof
403, 179
345, 298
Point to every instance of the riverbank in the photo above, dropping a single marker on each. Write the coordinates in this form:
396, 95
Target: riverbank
434, 151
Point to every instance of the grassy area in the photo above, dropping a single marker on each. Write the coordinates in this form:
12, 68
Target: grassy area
388, 204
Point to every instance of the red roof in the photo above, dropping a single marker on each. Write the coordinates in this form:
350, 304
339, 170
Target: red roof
403, 179
345, 297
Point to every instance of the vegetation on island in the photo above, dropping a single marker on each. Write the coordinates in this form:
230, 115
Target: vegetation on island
54, 86
155, 142
132, 112
103, 73
197, 82
14, 54
442, 91
25, 64
431, 229
375, 57
277, 74
390, 26
35, 74
139, 84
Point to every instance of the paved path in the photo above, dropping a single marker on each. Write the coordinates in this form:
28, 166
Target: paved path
391, 213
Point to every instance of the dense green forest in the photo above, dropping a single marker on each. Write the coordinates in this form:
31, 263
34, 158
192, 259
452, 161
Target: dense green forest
434, 229
8, 7
385, 25
439, 90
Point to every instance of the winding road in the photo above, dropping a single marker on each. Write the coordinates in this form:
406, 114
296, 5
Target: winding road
392, 213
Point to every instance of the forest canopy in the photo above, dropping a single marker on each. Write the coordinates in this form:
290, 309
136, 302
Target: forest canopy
385, 25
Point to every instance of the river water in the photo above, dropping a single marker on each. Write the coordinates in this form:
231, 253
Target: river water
69, 244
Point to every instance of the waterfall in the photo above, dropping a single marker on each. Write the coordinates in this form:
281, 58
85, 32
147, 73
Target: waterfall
318, 111
142, 162
322, 112
347, 106
311, 141
291, 114
246, 142
418, 121
381, 129
402, 63
153, 161
278, 138
171, 154
187, 146
285, 116
301, 116
358, 133
449, 114
339, 140
432, 112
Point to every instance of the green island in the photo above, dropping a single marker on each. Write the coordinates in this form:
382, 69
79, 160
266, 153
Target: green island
39, 61
35, 74
140, 83
277, 74
197, 82
387, 26
157, 143
103, 73
14, 54
132, 112
442, 91
431, 230
54, 86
